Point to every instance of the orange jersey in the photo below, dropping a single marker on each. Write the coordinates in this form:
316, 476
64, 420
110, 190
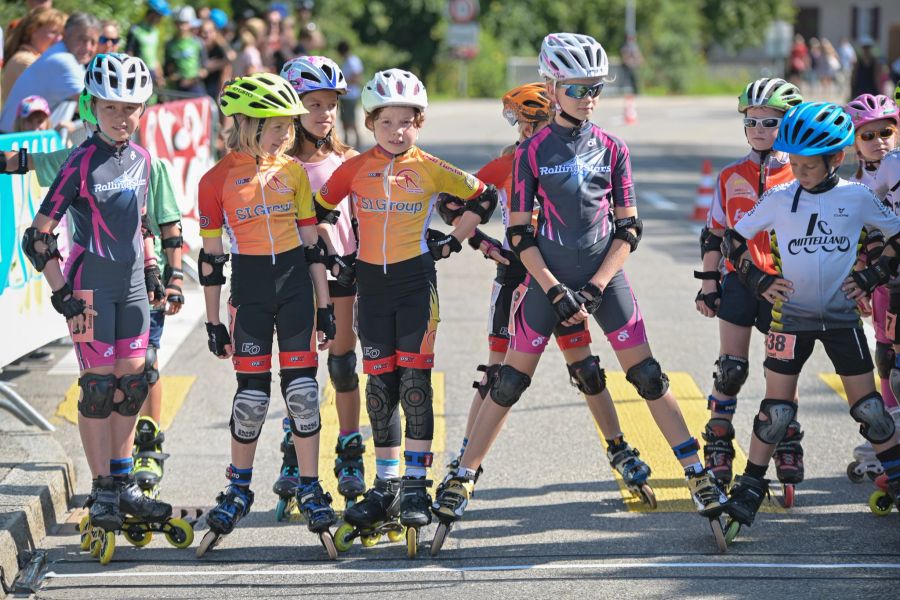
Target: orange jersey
260, 206
394, 197
736, 194
498, 172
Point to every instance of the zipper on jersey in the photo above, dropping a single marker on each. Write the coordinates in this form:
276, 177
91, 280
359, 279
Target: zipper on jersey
386, 184
262, 189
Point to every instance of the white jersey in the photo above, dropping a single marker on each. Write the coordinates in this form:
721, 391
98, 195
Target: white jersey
887, 180
867, 178
816, 236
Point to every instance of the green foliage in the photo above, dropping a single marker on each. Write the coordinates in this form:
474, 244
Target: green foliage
737, 24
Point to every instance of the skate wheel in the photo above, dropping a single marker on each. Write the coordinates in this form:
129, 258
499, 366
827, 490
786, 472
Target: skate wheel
853, 473
787, 495
648, 496
96, 541
343, 537
84, 528
716, 526
210, 540
137, 536
873, 475
880, 503
440, 534
732, 529
281, 509
412, 542
395, 535
107, 547
328, 543
369, 540
179, 533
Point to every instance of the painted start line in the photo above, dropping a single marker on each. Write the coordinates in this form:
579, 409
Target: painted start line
893, 568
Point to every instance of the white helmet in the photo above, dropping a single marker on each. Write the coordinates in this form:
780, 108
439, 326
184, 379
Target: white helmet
118, 78
572, 56
310, 73
394, 87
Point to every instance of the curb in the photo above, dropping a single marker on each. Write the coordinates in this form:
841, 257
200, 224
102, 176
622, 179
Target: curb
37, 480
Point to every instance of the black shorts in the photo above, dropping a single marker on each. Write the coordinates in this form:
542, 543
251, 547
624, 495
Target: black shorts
847, 349
742, 307
336, 290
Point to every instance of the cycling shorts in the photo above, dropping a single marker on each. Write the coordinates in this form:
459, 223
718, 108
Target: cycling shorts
157, 322
847, 348
336, 290
742, 307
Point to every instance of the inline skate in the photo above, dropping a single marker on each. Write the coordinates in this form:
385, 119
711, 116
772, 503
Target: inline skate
285, 487
449, 506
232, 505
373, 516
789, 463
718, 452
349, 468
315, 505
635, 472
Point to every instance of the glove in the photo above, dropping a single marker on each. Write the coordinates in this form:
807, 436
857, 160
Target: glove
325, 321
346, 275
66, 303
485, 244
218, 338
709, 299
871, 277
590, 305
756, 280
436, 241
567, 305
174, 293
154, 283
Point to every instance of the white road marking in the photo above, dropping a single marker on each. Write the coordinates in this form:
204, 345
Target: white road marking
657, 200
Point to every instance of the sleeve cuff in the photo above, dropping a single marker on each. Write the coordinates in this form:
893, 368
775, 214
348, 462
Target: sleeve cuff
211, 233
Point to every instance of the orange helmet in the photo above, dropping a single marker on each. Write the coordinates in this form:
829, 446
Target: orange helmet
529, 102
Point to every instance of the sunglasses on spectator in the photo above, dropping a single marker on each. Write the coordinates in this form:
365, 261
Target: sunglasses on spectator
580, 90
884, 134
767, 123
105, 40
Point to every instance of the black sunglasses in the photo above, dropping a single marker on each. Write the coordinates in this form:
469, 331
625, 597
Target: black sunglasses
105, 40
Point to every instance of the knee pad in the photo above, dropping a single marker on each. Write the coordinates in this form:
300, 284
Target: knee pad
490, 374
779, 414
648, 379
587, 375
382, 400
342, 370
151, 371
136, 388
301, 395
884, 359
97, 393
416, 400
875, 423
250, 405
731, 374
509, 386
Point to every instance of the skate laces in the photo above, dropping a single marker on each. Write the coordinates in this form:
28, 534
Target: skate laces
313, 499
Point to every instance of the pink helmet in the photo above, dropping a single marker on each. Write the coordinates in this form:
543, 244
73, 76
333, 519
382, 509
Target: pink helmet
31, 105
866, 108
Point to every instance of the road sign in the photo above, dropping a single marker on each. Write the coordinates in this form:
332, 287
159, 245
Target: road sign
462, 11
462, 35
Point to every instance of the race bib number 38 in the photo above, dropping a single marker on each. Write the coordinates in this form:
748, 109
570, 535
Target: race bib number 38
781, 345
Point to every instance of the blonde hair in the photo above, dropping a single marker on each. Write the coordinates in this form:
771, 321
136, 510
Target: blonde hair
34, 20
243, 136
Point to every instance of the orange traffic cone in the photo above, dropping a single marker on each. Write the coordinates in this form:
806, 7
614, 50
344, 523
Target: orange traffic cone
630, 110
703, 202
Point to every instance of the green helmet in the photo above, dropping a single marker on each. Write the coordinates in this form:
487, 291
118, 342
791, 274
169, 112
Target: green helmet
771, 92
84, 108
260, 96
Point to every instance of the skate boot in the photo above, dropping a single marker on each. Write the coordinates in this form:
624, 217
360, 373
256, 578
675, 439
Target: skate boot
232, 505
865, 463
148, 456
285, 487
373, 516
635, 472
747, 495
146, 515
415, 510
104, 512
134, 503
718, 452
349, 468
449, 506
316, 507
709, 498
789, 463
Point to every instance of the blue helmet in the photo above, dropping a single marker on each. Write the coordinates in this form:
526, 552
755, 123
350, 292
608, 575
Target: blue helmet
218, 17
160, 7
814, 129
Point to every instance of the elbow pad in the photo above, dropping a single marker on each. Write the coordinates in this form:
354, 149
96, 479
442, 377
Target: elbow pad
525, 233
450, 207
324, 215
490, 196
733, 246
217, 262
709, 242
623, 232
39, 260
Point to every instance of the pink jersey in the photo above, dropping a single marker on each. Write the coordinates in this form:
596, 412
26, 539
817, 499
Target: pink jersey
319, 172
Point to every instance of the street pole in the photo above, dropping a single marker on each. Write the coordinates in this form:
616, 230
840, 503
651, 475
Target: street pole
629, 18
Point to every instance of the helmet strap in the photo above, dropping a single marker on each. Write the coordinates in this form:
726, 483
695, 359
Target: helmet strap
319, 142
831, 179
259, 130
576, 122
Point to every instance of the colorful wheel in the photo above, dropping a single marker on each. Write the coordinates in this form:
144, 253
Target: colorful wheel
369, 540
96, 541
880, 503
440, 534
732, 529
281, 509
343, 537
328, 543
84, 529
179, 533
853, 474
395, 535
787, 495
210, 540
412, 542
107, 547
648, 496
137, 535
716, 526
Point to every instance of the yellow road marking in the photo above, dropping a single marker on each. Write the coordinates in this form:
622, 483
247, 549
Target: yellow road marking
175, 390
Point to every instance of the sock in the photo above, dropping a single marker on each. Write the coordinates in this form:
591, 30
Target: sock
616, 441
387, 468
345, 433
417, 463
240, 477
286, 425
467, 473
693, 469
120, 467
305, 481
890, 460
755, 470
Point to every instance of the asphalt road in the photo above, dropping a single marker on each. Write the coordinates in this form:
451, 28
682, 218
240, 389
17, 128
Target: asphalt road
549, 518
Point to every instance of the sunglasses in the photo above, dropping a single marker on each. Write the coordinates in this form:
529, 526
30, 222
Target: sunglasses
580, 90
767, 123
884, 134
105, 40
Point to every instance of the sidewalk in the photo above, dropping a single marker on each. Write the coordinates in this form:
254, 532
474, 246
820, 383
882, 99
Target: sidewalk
37, 480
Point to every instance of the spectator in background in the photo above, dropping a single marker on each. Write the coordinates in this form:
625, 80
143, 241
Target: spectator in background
866, 78
219, 18
815, 63
33, 114
798, 63
58, 75
37, 31
185, 55
110, 38
30, 5
828, 68
289, 46
219, 57
847, 55
251, 37
352, 67
632, 59
143, 38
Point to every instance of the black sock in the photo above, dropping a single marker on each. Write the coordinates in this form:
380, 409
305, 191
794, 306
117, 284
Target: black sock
755, 470
305, 481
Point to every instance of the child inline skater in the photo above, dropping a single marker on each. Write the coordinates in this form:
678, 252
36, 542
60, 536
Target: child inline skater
262, 198
397, 294
875, 120
102, 186
319, 82
738, 187
815, 223
562, 291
